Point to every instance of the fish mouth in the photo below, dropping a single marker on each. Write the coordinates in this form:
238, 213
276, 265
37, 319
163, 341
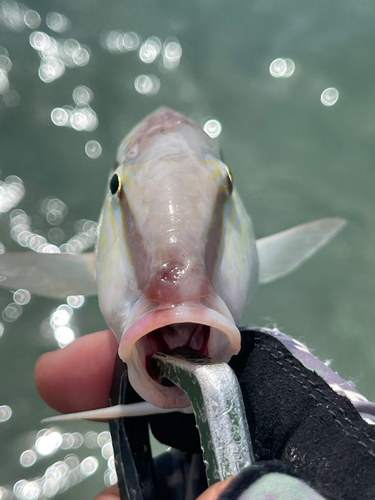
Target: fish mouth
201, 327
171, 338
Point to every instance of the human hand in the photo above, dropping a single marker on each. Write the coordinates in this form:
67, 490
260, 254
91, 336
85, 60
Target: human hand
79, 378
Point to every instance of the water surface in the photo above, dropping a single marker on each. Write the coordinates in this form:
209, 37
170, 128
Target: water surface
100, 67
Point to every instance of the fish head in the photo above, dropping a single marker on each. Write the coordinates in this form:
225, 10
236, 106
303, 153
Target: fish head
176, 255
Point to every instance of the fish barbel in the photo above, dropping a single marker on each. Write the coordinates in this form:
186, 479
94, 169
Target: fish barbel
176, 259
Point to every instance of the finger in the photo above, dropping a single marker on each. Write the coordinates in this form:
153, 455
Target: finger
78, 377
213, 492
111, 493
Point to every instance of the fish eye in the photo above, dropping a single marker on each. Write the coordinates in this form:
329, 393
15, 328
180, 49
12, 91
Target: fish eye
229, 180
115, 184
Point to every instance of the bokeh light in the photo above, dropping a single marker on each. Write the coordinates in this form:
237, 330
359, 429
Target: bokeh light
117, 41
282, 68
172, 53
11, 193
12, 15
11, 312
89, 466
60, 117
5, 413
147, 84
81, 56
5, 494
58, 477
49, 443
67, 441
57, 22
21, 297
93, 149
47, 248
56, 235
4, 81
91, 440
111, 463
85, 237
104, 438
72, 461
28, 458
110, 477
32, 19
27, 490
54, 210
5, 63
76, 301
64, 335
212, 128
61, 316
82, 95
50, 69
84, 119
77, 440
329, 96
60, 324
39, 40
55, 55
107, 451
150, 49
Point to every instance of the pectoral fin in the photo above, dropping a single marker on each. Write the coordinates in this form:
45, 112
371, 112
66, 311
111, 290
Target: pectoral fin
282, 253
118, 411
49, 275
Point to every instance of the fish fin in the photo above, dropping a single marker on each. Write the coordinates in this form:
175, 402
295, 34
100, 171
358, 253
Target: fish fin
118, 411
282, 253
49, 275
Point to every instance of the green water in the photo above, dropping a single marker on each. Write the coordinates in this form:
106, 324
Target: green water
293, 160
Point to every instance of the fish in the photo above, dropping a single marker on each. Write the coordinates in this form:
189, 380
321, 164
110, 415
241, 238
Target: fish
176, 261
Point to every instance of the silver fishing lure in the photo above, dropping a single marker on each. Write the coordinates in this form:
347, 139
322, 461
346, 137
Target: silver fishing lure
176, 259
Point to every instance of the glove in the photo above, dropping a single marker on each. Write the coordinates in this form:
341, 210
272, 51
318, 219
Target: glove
303, 432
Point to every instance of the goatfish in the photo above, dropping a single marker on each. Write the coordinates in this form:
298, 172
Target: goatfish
176, 260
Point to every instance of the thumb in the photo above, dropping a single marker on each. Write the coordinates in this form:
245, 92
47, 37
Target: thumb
213, 492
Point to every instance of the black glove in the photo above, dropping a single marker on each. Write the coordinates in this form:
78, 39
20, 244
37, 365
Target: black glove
299, 426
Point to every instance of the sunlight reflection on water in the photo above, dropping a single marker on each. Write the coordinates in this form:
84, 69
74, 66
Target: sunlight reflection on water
64, 54
329, 96
5, 413
62, 474
282, 68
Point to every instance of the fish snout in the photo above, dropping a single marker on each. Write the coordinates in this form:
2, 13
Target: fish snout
177, 282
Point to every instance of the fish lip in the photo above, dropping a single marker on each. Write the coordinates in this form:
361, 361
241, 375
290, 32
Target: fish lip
178, 314
223, 343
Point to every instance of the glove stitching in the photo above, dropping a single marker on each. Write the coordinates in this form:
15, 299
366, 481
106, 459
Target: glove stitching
315, 388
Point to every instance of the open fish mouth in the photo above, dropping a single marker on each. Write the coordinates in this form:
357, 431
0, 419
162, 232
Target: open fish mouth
209, 331
170, 338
